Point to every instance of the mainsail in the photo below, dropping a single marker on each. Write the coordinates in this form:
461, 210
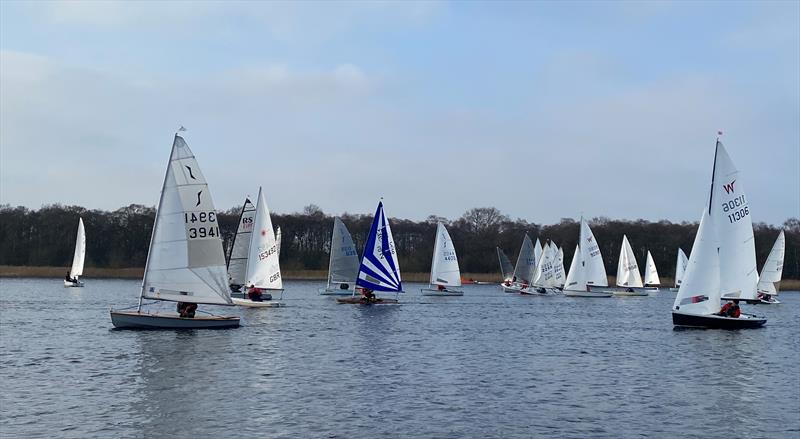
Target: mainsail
650, 272
526, 263
240, 249
343, 266
627, 268
185, 262
79, 256
561, 278
505, 266
680, 267
593, 269
379, 270
545, 269
575, 277
444, 266
773, 268
263, 268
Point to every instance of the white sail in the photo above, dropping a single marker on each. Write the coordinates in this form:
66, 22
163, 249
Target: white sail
379, 269
734, 226
593, 268
699, 292
627, 268
680, 267
79, 256
537, 250
545, 269
575, 279
650, 272
185, 262
444, 267
263, 268
772, 271
526, 263
343, 266
240, 248
505, 266
278, 241
561, 278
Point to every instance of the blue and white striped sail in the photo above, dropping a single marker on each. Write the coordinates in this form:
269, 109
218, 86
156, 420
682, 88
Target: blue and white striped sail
379, 270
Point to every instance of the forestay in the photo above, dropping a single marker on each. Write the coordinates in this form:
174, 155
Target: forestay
79, 255
185, 262
627, 267
650, 272
240, 249
343, 266
444, 266
379, 269
699, 292
263, 268
773, 268
730, 212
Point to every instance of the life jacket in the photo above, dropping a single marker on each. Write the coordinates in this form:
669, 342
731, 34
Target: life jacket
736, 313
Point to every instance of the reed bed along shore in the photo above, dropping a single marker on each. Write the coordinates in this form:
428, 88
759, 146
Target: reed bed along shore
137, 272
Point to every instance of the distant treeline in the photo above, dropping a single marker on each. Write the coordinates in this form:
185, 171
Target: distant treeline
46, 237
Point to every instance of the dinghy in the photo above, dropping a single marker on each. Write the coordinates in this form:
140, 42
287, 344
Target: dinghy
680, 268
444, 266
544, 278
506, 269
651, 279
523, 271
263, 271
379, 270
185, 261
629, 280
343, 264
587, 269
722, 262
240, 247
78, 258
772, 272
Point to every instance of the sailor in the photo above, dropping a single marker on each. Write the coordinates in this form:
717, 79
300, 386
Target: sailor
441, 288
68, 279
367, 295
254, 293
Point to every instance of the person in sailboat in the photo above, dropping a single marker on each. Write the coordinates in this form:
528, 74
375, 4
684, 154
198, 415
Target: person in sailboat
367, 295
441, 288
730, 309
254, 293
186, 309
344, 286
68, 278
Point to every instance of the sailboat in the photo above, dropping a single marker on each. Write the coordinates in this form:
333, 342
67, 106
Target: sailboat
263, 269
185, 261
523, 270
78, 258
506, 269
680, 268
651, 279
628, 278
240, 247
722, 263
772, 271
544, 277
587, 269
379, 270
444, 266
343, 265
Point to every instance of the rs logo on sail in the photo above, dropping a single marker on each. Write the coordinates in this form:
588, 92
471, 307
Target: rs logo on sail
728, 187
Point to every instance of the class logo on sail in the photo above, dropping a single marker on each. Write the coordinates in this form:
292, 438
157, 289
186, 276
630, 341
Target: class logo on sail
728, 187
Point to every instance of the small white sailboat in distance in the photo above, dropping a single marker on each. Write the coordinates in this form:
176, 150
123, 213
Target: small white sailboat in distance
628, 277
445, 273
263, 268
523, 270
78, 258
680, 268
379, 270
240, 247
722, 262
772, 272
506, 269
587, 269
651, 279
185, 261
344, 263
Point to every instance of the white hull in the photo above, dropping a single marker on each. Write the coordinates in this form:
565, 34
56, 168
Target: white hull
253, 304
334, 292
539, 291
143, 320
73, 284
637, 292
432, 292
511, 289
570, 293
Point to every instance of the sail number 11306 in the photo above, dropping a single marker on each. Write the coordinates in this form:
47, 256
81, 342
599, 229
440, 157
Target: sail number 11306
737, 208
201, 225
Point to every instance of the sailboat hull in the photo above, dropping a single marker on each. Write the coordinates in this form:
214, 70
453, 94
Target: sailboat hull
511, 289
141, 320
539, 291
356, 300
256, 304
446, 293
596, 294
334, 292
73, 284
717, 322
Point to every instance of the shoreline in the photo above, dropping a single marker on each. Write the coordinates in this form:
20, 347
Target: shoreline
10, 271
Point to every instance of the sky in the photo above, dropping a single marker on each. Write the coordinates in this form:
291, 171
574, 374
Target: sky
543, 110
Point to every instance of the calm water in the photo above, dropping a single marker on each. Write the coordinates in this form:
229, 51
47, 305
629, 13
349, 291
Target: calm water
488, 364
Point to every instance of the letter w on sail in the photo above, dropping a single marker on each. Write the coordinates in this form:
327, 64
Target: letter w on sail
728, 187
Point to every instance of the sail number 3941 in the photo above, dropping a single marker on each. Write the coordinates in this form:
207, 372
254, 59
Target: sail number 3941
201, 225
